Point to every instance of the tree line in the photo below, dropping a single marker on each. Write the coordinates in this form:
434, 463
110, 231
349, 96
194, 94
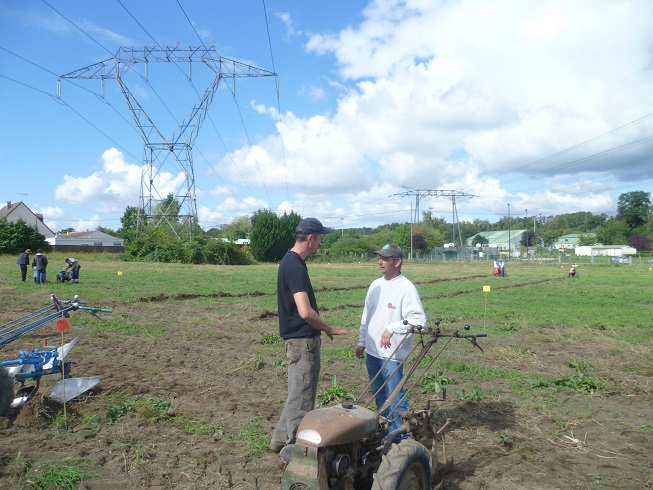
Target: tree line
165, 236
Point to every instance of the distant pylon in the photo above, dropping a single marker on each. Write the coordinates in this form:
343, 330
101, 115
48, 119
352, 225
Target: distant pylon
157, 148
451, 194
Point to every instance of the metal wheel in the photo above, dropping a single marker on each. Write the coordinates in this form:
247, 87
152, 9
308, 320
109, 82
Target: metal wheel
6, 391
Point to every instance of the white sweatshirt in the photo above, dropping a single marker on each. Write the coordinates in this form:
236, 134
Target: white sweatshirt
387, 305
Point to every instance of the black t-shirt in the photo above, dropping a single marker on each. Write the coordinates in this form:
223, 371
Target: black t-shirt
293, 278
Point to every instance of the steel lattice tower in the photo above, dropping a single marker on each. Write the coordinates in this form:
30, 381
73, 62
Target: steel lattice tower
451, 194
157, 147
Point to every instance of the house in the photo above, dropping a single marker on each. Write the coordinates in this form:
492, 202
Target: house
569, 241
499, 239
15, 211
605, 250
91, 241
240, 242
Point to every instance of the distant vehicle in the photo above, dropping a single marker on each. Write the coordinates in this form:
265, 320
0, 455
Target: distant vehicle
650, 261
621, 260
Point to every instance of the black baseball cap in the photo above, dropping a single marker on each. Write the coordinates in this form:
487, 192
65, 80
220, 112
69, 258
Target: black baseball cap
311, 225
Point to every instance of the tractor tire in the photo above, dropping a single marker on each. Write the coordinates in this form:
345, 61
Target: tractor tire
6, 392
407, 466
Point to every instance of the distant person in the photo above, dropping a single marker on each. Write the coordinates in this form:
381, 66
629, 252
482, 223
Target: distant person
73, 266
572, 272
23, 262
40, 263
301, 326
502, 267
497, 268
390, 300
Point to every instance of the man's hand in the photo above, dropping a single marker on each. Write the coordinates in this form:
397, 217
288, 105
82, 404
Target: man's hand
385, 339
335, 331
359, 351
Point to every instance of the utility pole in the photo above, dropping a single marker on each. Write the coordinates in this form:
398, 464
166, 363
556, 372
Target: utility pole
158, 149
509, 254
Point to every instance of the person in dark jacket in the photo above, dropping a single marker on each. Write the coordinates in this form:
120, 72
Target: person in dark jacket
73, 266
23, 262
39, 264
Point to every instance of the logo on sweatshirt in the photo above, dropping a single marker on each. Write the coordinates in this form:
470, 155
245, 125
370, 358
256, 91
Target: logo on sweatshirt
390, 307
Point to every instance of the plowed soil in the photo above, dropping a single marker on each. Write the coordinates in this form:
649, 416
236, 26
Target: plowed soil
204, 355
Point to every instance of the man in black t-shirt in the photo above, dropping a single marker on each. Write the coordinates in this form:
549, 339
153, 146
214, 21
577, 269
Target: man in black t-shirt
300, 325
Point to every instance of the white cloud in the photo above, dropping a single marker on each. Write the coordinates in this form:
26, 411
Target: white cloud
115, 186
449, 90
288, 23
87, 224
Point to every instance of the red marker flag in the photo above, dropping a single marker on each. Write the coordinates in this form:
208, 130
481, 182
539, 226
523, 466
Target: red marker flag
63, 325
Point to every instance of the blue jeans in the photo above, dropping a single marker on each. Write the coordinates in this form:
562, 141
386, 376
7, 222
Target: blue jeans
374, 365
40, 277
303, 357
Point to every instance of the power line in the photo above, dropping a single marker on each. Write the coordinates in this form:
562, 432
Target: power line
280, 126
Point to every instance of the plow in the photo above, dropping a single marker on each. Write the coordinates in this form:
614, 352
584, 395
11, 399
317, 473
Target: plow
28, 366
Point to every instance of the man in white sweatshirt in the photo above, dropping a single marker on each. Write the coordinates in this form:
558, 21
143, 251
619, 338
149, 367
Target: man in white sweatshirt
390, 300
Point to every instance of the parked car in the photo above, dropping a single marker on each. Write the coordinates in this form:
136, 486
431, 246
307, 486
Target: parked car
621, 260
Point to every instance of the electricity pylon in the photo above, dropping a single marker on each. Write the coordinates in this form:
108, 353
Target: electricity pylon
157, 147
451, 194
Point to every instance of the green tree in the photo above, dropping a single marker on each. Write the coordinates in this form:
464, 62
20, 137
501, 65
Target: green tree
349, 243
586, 239
330, 239
633, 208
613, 232
272, 235
17, 236
168, 209
131, 218
480, 239
241, 227
401, 237
434, 238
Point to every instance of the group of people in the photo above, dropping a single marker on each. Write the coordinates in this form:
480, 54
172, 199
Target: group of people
383, 340
40, 264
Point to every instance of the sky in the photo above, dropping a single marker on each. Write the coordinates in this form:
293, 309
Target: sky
520, 108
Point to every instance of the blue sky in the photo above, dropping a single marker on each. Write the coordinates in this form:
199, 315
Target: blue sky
546, 105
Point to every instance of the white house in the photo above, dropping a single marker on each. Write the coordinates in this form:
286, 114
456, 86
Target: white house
85, 239
15, 211
499, 239
605, 250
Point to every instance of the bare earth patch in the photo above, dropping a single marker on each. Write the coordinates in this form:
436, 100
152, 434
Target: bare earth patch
222, 385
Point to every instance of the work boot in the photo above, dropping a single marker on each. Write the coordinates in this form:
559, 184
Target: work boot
286, 453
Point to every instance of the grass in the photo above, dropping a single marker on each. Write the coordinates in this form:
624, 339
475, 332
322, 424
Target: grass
253, 434
554, 346
65, 475
147, 409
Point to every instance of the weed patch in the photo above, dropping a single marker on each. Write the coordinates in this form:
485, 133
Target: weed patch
335, 392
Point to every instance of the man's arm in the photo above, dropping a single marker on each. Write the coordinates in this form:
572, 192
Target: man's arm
311, 316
